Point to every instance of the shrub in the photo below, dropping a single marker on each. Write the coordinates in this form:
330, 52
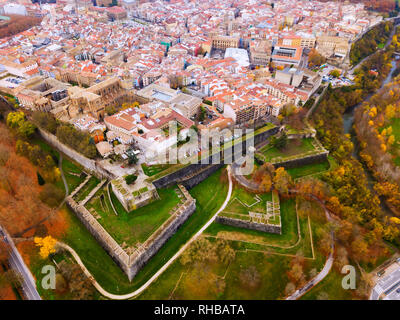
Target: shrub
51, 195
131, 178
40, 179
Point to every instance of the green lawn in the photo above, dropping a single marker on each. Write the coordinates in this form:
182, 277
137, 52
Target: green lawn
87, 188
136, 226
72, 170
209, 195
294, 147
269, 270
72, 173
309, 169
287, 242
329, 288
242, 202
154, 169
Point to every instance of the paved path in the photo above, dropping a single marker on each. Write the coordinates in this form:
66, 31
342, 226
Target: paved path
329, 261
251, 185
18, 265
60, 159
163, 268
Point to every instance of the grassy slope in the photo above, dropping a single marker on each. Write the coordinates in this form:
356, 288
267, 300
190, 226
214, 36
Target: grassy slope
138, 225
293, 147
210, 194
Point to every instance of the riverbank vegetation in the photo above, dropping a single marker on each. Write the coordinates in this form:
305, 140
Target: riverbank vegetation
370, 42
378, 131
362, 229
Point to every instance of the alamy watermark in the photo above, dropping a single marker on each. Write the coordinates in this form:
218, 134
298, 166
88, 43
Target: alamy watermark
174, 144
49, 280
349, 280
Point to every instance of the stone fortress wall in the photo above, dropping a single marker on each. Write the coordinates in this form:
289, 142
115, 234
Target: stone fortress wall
89, 164
131, 264
193, 174
270, 228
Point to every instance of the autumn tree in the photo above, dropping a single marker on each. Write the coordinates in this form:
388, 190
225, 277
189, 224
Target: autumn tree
47, 245
79, 285
315, 58
282, 181
18, 122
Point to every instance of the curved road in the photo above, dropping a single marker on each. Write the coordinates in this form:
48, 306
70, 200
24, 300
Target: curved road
163, 268
18, 265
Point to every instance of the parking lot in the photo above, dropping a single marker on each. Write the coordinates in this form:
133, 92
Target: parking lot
388, 284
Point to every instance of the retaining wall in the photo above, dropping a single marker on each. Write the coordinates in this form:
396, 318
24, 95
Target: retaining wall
316, 158
101, 235
277, 229
85, 162
189, 170
131, 264
137, 262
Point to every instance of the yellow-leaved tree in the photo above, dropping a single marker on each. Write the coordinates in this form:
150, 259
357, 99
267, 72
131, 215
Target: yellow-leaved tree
47, 245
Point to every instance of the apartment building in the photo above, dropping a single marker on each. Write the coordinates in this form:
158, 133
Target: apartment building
244, 109
287, 55
331, 46
304, 41
223, 42
260, 52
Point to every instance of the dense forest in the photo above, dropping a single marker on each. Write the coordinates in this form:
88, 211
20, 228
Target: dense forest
362, 227
17, 24
377, 127
368, 44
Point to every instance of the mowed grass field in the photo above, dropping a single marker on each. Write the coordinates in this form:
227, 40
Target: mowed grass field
86, 189
257, 271
133, 227
209, 195
289, 242
308, 169
293, 147
242, 202
329, 288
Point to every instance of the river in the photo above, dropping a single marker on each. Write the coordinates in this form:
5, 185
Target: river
348, 120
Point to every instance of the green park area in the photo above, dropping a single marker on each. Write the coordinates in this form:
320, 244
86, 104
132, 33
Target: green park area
295, 148
243, 203
133, 228
329, 288
73, 172
313, 169
209, 195
295, 234
259, 269
86, 189
151, 170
